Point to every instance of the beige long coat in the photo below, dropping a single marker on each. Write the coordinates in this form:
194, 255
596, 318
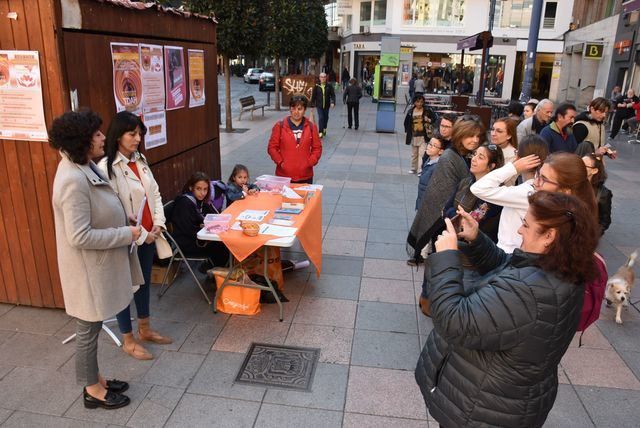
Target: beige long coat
97, 271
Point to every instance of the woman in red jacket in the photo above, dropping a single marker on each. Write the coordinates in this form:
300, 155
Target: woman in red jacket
294, 145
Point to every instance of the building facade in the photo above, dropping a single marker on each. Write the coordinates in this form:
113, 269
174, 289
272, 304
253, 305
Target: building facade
430, 29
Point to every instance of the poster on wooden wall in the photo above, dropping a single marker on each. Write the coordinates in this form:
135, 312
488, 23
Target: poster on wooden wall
156, 123
151, 60
196, 77
21, 105
176, 85
127, 81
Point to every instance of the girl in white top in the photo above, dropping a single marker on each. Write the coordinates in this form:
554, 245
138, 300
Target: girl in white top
532, 152
504, 135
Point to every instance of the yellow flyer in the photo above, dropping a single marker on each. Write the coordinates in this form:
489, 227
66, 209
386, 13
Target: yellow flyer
152, 61
196, 78
21, 106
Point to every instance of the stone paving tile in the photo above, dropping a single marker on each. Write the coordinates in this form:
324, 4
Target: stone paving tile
5, 335
45, 391
347, 220
599, 368
632, 359
175, 369
201, 338
352, 210
28, 319
348, 233
384, 392
334, 342
387, 317
35, 350
328, 390
271, 312
205, 411
390, 269
27, 419
156, 407
137, 392
333, 286
384, 290
379, 250
610, 407
275, 416
592, 338
358, 185
5, 370
342, 265
340, 247
395, 223
5, 307
356, 420
388, 236
321, 311
567, 411
239, 332
386, 350
4, 414
216, 377
622, 337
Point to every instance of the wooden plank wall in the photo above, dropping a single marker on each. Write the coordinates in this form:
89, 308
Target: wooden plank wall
28, 264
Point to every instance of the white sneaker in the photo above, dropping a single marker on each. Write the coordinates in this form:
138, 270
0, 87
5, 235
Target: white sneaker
412, 171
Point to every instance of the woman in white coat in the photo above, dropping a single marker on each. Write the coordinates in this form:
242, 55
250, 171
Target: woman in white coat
97, 272
133, 182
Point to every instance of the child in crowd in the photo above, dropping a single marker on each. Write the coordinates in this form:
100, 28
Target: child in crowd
187, 217
597, 176
237, 187
435, 147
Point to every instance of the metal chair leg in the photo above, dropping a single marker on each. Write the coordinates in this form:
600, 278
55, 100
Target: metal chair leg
165, 281
195, 278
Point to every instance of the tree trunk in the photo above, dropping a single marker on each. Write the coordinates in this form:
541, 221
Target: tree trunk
277, 83
227, 94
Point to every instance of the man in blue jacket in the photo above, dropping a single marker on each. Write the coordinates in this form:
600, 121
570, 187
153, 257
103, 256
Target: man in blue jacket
558, 133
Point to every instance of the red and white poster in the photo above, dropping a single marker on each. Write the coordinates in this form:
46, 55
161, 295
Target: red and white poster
175, 79
21, 106
152, 62
127, 80
196, 77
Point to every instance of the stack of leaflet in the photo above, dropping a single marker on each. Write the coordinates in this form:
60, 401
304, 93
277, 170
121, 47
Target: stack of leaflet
291, 200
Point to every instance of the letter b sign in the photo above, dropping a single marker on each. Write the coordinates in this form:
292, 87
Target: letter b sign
593, 51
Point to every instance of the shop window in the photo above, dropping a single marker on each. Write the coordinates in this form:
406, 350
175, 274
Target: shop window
349, 21
380, 12
514, 13
549, 20
433, 13
365, 16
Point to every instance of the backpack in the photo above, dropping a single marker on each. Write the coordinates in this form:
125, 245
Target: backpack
218, 189
593, 295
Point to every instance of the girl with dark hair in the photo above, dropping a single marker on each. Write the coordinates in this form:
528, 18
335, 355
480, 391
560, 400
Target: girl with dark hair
187, 218
131, 177
597, 176
237, 187
93, 235
504, 336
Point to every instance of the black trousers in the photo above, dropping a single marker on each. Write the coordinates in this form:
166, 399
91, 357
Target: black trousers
618, 117
352, 113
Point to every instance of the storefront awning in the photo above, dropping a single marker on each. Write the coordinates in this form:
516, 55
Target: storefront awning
475, 42
630, 6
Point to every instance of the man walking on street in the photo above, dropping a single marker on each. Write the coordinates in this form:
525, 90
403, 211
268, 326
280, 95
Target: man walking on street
324, 98
351, 98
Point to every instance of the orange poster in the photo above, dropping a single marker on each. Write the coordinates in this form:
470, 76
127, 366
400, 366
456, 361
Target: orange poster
127, 81
196, 77
21, 107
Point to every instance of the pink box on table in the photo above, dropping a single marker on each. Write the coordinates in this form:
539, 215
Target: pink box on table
272, 183
217, 223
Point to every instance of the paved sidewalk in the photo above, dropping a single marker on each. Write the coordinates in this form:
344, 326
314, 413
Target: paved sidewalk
362, 313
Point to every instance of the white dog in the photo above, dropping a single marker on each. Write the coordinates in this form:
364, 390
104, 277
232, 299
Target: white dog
619, 286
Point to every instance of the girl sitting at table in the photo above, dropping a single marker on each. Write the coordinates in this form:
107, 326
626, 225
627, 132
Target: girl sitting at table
237, 187
187, 217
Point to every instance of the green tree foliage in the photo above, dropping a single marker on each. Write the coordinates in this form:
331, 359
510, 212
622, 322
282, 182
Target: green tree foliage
281, 29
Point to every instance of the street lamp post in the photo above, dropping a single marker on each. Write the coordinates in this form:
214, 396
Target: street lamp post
532, 47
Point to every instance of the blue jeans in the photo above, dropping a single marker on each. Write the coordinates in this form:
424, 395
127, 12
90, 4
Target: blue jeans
142, 296
323, 118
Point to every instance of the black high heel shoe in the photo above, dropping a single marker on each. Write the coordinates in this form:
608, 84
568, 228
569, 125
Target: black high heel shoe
112, 400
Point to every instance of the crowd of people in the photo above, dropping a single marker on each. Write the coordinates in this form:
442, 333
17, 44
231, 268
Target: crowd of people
507, 220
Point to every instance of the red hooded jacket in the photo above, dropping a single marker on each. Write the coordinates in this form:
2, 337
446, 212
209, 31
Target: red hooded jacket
294, 160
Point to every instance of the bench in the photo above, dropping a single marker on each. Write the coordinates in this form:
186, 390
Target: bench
249, 104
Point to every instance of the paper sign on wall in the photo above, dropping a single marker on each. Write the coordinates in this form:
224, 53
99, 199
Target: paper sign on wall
196, 77
21, 106
127, 80
156, 123
151, 59
175, 79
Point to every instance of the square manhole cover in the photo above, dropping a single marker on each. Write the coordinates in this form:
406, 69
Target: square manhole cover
279, 366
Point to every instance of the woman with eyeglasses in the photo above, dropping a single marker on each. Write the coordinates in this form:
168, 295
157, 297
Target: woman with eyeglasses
597, 176
452, 168
492, 357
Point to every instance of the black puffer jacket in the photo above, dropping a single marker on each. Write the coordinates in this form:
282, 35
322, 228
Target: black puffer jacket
492, 357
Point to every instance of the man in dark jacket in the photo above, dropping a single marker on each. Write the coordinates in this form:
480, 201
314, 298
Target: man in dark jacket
323, 97
624, 110
345, 78
590, 129
351, 98
558, 133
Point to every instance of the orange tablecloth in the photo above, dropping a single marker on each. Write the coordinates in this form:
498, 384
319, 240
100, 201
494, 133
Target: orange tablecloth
309, 224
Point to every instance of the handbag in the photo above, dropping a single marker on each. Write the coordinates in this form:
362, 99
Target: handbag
163, 248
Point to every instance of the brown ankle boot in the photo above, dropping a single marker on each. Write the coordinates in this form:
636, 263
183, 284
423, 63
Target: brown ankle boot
132, 347
147, 334
425, 306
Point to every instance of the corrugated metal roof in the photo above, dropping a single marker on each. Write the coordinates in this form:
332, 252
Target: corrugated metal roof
139, 5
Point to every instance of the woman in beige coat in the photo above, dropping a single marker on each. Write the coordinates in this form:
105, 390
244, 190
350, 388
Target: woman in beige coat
131, 178
97, 271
